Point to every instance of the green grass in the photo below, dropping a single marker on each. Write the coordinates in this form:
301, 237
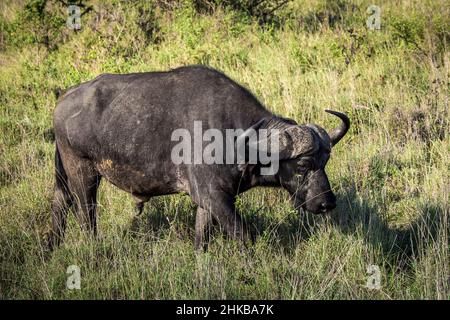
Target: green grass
390, 173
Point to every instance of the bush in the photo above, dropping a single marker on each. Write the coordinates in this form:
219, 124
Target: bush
264, 11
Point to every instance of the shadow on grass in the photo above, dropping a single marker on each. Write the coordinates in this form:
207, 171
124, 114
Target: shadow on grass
163, 214
354, 215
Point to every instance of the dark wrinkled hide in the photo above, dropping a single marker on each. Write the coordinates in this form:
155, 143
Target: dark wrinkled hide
119, 127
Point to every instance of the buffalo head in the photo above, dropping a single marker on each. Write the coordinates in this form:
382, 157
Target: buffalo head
302, 171
303, 152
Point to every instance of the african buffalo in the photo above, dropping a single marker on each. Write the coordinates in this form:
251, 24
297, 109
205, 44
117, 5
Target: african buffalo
120, 126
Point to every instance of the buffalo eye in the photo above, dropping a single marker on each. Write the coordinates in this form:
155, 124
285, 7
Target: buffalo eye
306, 164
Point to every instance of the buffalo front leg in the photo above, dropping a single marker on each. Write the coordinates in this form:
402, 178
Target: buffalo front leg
223, 210
203, 221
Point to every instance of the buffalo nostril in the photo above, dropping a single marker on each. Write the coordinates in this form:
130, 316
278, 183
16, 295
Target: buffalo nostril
327, 206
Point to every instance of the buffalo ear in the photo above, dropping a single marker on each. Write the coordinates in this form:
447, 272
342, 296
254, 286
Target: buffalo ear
286, 140
289, 142
241, 139
250, 131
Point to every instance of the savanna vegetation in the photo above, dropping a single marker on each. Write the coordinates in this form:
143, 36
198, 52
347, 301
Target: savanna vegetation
390, 173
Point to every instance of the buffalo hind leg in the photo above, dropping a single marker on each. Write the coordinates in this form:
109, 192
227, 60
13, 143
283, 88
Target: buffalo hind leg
203, 220
85, 195
84, 180
139, 207
60, 207
62, 201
